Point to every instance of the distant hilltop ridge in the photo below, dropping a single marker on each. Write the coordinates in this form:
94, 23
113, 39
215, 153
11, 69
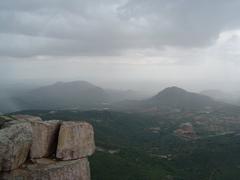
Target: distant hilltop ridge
60, 95
171, 99
44, 150
178, 97
82, 95
70, 95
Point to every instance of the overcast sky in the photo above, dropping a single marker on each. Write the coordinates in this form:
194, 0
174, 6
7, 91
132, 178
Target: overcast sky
192, 43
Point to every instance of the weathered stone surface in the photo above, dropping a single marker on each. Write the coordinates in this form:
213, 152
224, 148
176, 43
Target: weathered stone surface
46, 169
21, 135
15, 143
75, 140
45, 136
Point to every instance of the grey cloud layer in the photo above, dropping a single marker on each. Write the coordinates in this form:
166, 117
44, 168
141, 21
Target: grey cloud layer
105, 27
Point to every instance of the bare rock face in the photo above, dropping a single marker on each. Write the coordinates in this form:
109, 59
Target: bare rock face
45, 134
75, 140
46, 169
186, 131
15, 143
22, 135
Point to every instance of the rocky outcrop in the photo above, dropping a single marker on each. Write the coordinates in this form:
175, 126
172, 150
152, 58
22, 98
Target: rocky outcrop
46, 169
57, 141
186, 131
76, 140
15, 143
45, 137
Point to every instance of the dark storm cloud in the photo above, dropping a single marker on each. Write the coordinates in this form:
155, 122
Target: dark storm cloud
80, 27
185, 22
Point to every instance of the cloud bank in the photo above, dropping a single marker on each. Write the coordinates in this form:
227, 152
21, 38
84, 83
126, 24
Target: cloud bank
111, 28
193, 42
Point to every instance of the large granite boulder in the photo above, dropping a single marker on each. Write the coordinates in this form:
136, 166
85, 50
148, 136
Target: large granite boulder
15, 143
75, 140
22, 135
46, 169
45, 134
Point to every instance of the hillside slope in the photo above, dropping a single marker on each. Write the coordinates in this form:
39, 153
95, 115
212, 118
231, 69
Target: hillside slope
171, 99
77, 94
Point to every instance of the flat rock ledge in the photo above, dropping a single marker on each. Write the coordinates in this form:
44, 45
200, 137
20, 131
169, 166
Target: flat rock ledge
31, 148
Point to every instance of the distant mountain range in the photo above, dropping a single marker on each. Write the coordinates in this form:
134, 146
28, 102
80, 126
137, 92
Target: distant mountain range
72, 95
171, 99
61, 95
86, 96
232, 98
177, 97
